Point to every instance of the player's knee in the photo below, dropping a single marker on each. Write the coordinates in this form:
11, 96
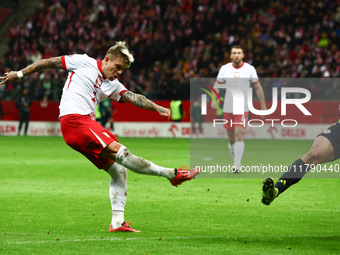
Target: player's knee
122, 154
239, 137
114, 147
125, 151
314, 156
232, 140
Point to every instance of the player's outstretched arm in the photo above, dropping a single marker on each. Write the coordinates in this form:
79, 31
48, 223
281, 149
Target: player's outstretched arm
38, 66
142, 102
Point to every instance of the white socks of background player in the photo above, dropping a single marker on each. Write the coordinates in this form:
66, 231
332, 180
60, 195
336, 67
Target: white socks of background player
231, 149
142, 166
238, 152
118, 193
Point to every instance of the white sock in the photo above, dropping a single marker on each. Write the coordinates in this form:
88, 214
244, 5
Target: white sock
142, 166
238, 151
231, 149
118, 193
117, 219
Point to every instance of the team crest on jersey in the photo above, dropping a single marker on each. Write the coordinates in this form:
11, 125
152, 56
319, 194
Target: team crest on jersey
106, 134
99, 82
236, 75
326, 131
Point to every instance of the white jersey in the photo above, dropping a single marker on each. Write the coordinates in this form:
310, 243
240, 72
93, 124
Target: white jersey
241, 77
86, 86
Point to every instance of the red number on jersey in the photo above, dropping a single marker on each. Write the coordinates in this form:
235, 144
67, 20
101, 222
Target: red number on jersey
94, 99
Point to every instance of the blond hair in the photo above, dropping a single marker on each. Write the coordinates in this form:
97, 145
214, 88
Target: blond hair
120, 50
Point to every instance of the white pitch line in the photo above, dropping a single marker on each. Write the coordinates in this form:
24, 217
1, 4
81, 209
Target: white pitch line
163, 238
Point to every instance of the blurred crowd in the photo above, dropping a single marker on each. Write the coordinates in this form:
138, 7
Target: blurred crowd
173, 41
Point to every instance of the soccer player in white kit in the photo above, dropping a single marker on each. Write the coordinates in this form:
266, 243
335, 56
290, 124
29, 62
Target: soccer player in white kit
89, 82
242, 75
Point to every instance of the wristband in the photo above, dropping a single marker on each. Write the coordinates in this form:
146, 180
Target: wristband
20, 74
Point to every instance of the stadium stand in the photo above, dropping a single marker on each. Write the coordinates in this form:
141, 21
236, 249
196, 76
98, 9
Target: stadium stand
173, 41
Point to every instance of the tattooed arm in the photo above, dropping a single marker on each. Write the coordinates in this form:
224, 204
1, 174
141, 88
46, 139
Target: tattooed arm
142, 102
36, 67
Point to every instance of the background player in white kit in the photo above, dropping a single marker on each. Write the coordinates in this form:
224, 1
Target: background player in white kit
242, 75
89, 82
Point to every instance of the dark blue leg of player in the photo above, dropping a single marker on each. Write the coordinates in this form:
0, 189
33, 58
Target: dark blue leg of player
294, 174
322, 151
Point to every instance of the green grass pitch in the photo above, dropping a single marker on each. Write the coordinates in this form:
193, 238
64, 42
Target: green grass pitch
54, 201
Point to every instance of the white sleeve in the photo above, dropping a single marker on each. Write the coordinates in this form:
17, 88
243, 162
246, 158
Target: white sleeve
253, 75
72, 62
220, 77
118, 90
